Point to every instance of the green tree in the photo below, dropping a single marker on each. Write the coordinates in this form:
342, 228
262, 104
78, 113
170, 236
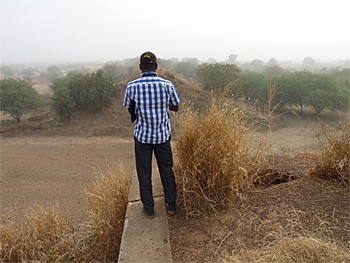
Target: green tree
256, 65
273, 70
217, 76
342, 101
342, 75
112, 70
272, 62
186, 68
232, 58
254, 86
323, 93
18, 97
52, 72
193, 61
28, 72
92, 91
63, 81
62, 102
166, 63
294, 87
8, 71
309, 62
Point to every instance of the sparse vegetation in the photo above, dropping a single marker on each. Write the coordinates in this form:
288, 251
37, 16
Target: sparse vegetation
293, 248
218, 161
8, 71
332, 162
48, 235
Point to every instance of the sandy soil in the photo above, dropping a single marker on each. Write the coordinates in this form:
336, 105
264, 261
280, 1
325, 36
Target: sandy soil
47, 170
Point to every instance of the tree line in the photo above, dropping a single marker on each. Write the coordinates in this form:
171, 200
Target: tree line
91, 91
301, 88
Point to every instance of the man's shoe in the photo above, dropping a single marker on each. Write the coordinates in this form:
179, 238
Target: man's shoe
149, 215
171, 209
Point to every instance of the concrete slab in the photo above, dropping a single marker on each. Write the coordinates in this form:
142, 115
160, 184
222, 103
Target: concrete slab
145, 240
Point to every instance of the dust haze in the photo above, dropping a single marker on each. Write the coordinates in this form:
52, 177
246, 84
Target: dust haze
56, 31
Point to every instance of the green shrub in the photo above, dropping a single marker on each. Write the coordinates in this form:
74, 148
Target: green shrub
92, 91
62, 102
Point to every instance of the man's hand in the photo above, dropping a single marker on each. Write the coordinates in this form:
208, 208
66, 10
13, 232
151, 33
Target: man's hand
174, 108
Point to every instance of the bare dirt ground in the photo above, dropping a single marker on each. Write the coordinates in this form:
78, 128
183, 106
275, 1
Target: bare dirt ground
47, 170
45, 162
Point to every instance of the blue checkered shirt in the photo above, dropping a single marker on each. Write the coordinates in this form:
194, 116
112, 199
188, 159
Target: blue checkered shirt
152, 96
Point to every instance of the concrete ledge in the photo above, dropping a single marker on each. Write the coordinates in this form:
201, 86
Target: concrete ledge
145, 240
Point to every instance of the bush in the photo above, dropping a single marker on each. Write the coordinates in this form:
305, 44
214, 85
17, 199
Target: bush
62, 102
112, 70
333, 160
187, 69
218, 76
92, 91
217, 159
52, 72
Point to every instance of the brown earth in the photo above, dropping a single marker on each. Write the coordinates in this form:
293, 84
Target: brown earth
45, 162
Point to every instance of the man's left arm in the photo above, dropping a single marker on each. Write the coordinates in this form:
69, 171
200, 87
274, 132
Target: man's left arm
174, 100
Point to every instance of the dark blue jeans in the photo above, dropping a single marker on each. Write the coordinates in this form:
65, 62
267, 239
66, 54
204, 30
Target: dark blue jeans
164, 157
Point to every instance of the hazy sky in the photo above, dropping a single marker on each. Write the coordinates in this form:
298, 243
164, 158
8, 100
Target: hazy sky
102, 30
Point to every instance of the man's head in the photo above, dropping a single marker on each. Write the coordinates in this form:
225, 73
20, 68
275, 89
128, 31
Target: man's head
148, 62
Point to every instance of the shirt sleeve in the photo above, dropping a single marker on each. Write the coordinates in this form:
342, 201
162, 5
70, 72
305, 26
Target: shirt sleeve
174, 97
126, 102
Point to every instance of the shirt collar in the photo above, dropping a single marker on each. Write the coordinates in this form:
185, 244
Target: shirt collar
149, 73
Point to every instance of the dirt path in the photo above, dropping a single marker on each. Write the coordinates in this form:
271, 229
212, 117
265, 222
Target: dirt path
47, 170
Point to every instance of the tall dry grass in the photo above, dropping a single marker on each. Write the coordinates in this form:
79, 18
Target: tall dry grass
108, 199
40, 236
217, 159
333, 159
48, 235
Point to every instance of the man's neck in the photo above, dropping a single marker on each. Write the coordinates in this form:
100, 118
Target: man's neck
148, 70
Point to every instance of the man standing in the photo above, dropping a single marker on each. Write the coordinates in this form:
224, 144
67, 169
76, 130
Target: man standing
150, 99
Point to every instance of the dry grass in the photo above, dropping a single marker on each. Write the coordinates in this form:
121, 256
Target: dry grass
217, 159
47, 235
286, 248
332, 162
108, 199
293, 243
41, 236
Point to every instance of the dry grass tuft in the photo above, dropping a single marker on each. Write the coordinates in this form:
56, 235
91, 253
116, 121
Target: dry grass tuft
333, 160
108, 199
217, 159
286, 248
39, 237
46, 235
